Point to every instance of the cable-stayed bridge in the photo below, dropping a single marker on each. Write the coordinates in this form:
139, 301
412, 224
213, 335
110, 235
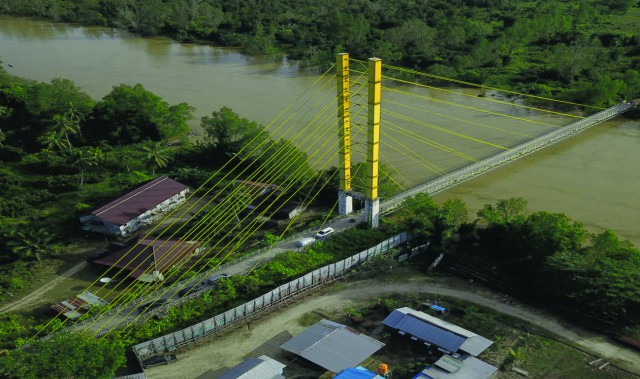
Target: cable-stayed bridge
426, 138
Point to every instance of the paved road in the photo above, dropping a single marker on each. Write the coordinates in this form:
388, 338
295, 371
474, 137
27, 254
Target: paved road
130, 313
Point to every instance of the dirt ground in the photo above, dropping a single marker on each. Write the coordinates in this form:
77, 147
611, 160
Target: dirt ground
265, 335
40, 295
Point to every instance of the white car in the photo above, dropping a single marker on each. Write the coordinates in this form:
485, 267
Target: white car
324, 232
305, 241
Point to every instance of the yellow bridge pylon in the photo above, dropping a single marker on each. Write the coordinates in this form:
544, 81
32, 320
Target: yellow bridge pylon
371, 198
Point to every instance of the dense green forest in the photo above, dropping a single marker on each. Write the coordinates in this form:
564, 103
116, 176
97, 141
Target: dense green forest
542, 255
586, 51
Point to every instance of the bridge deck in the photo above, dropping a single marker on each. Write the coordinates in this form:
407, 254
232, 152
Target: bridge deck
458, 176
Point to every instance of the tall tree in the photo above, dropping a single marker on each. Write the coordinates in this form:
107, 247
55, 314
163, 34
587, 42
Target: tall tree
131, 114
156, 156
85, 158
230, 133
505, 211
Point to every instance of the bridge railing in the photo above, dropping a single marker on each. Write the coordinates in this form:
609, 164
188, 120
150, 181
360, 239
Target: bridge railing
458, 176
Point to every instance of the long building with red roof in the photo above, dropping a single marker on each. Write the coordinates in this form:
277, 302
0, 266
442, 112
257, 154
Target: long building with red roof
136, 208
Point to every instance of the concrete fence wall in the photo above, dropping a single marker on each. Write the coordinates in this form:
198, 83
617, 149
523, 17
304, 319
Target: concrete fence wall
172, 341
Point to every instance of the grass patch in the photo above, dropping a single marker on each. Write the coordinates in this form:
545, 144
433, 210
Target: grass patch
309, 319
545, 358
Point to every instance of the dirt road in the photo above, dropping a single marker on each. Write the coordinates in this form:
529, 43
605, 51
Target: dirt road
34, 297
266, 335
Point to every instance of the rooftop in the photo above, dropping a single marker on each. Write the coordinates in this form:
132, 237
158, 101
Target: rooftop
448, 367
433, 330
262, 367
332, 346
147, 255
139, 200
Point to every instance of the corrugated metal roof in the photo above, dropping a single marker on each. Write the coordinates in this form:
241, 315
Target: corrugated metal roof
139, 200
475, 345
425, 331
426, 327
332, 346
472, 368
262, 367
149, 254
448, 363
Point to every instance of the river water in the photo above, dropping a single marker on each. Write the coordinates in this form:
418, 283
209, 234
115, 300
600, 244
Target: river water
592, 177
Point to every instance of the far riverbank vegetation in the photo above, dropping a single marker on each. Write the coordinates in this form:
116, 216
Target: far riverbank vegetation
584, 51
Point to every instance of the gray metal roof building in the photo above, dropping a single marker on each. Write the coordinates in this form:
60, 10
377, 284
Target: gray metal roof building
467, 367
332, 346
262, 367
432, 330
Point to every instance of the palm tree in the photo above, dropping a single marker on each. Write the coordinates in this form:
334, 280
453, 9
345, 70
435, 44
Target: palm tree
156, 156
31, 244
86, 158
68, 124
53, 140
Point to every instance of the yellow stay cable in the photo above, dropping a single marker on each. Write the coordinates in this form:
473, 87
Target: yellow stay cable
482, 98
252, 225
459, 119
416, 137
480, 85
175, 210
205, 254
429, 165
431, 126
467, 107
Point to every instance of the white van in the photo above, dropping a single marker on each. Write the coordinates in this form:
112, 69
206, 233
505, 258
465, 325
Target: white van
324, 232
305, 241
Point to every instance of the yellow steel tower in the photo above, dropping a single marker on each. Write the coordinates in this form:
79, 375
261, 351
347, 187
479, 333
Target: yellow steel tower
345, 202
372, 201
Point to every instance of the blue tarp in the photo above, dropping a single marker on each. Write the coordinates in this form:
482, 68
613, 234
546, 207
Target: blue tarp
356, 373
438, 308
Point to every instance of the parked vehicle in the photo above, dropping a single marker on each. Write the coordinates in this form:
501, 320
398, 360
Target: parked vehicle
305, 241
152, 305
324, 232
213, 279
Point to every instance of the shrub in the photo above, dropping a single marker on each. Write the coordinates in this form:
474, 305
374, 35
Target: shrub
10, 153
16, 284
81, 207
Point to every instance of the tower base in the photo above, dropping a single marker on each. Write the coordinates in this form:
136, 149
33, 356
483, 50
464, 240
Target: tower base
372, 212
345, 203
